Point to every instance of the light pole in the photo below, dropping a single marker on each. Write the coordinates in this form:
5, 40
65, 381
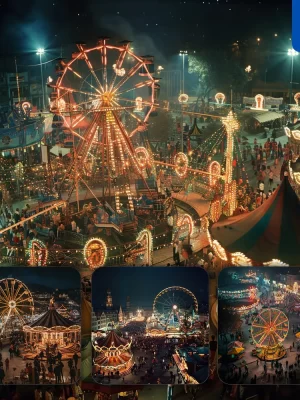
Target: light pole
292, 53
182, 54
40, 52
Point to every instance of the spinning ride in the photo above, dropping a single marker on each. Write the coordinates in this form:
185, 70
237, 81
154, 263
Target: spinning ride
173, 305
269, 330
53, 328
104, 96
16, 302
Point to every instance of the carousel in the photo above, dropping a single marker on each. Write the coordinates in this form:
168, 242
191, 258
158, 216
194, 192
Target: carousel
52, 328
113, 354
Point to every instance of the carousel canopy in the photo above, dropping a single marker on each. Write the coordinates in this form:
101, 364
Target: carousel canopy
111, 340
195, 131
272, 231
51, 319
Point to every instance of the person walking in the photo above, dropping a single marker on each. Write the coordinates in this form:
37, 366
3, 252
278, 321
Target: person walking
176, 255
75, 358
261, 188
38, 394
271, 178
73, 374
57, 373
2, 375
49, 394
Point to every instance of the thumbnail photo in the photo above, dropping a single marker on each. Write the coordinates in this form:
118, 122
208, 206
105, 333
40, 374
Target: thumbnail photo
259, 325
40, 325
150, 326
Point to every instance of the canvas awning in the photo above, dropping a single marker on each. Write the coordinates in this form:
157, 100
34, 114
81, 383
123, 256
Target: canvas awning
272, 231
267, 116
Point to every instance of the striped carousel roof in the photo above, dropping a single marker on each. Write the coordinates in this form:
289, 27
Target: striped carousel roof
111, 340
51, 319
272, 231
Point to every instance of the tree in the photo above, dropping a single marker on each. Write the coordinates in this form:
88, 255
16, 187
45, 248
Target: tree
216, 71
206, 78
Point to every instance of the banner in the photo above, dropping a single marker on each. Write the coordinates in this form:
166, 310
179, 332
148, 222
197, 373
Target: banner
15, 137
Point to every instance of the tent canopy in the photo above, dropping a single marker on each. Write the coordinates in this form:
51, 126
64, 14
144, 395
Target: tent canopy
272, 231
236, 351
267, 116
195, 130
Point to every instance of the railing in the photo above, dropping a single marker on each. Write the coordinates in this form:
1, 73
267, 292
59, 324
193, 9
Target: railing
73, 237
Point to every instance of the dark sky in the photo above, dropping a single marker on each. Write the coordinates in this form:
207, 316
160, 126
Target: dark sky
143, 284
159, 27
54, 278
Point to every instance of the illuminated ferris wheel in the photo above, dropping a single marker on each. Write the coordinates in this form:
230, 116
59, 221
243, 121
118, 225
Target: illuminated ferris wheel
174, 304
16, 302
269, 329
104, 95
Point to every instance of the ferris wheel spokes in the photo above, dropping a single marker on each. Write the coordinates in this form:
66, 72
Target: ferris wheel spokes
282, 322
119, 64
69, 90
88, 63
79, 76
129, 74
104, 62
126, 110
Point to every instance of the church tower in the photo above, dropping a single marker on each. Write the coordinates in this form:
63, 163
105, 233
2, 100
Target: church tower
109, 303
121, 317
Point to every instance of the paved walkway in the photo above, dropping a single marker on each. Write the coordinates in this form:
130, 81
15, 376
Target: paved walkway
195, 201
16, 364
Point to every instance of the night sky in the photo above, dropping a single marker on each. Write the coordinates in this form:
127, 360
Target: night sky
53, 278
143, 284
160, 28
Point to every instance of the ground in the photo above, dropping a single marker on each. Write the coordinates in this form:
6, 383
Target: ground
16, 364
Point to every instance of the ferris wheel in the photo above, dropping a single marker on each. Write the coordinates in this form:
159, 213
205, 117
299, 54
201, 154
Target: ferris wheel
16, 301
174, 304
104, 95
270, 328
